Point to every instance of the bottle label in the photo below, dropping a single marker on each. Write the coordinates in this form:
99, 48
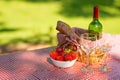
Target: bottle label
99, 34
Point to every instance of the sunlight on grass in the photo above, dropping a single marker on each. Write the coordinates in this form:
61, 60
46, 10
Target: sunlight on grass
36, 18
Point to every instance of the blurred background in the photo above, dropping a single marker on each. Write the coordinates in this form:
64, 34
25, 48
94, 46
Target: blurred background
31, 24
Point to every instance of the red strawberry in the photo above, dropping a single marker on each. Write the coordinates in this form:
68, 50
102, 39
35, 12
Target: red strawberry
60, 58
68, 57
53, 54
61, 54
73, 55
59, 49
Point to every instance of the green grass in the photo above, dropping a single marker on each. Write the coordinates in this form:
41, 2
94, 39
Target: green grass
30, 22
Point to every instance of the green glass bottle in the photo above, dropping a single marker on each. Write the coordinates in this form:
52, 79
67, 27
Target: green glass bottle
95, 26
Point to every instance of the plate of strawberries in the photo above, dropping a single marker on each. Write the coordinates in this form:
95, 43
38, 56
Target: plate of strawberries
63, 58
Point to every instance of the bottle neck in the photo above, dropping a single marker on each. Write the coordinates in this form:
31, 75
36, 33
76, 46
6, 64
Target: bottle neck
96, 19
95, 12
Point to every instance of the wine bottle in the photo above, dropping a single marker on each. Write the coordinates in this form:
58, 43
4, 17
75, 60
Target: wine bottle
95, 26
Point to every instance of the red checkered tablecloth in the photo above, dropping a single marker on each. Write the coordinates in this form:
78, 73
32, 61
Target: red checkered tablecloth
36, 65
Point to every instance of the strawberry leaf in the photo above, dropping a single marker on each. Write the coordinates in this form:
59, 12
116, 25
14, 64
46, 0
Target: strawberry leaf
67, 50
